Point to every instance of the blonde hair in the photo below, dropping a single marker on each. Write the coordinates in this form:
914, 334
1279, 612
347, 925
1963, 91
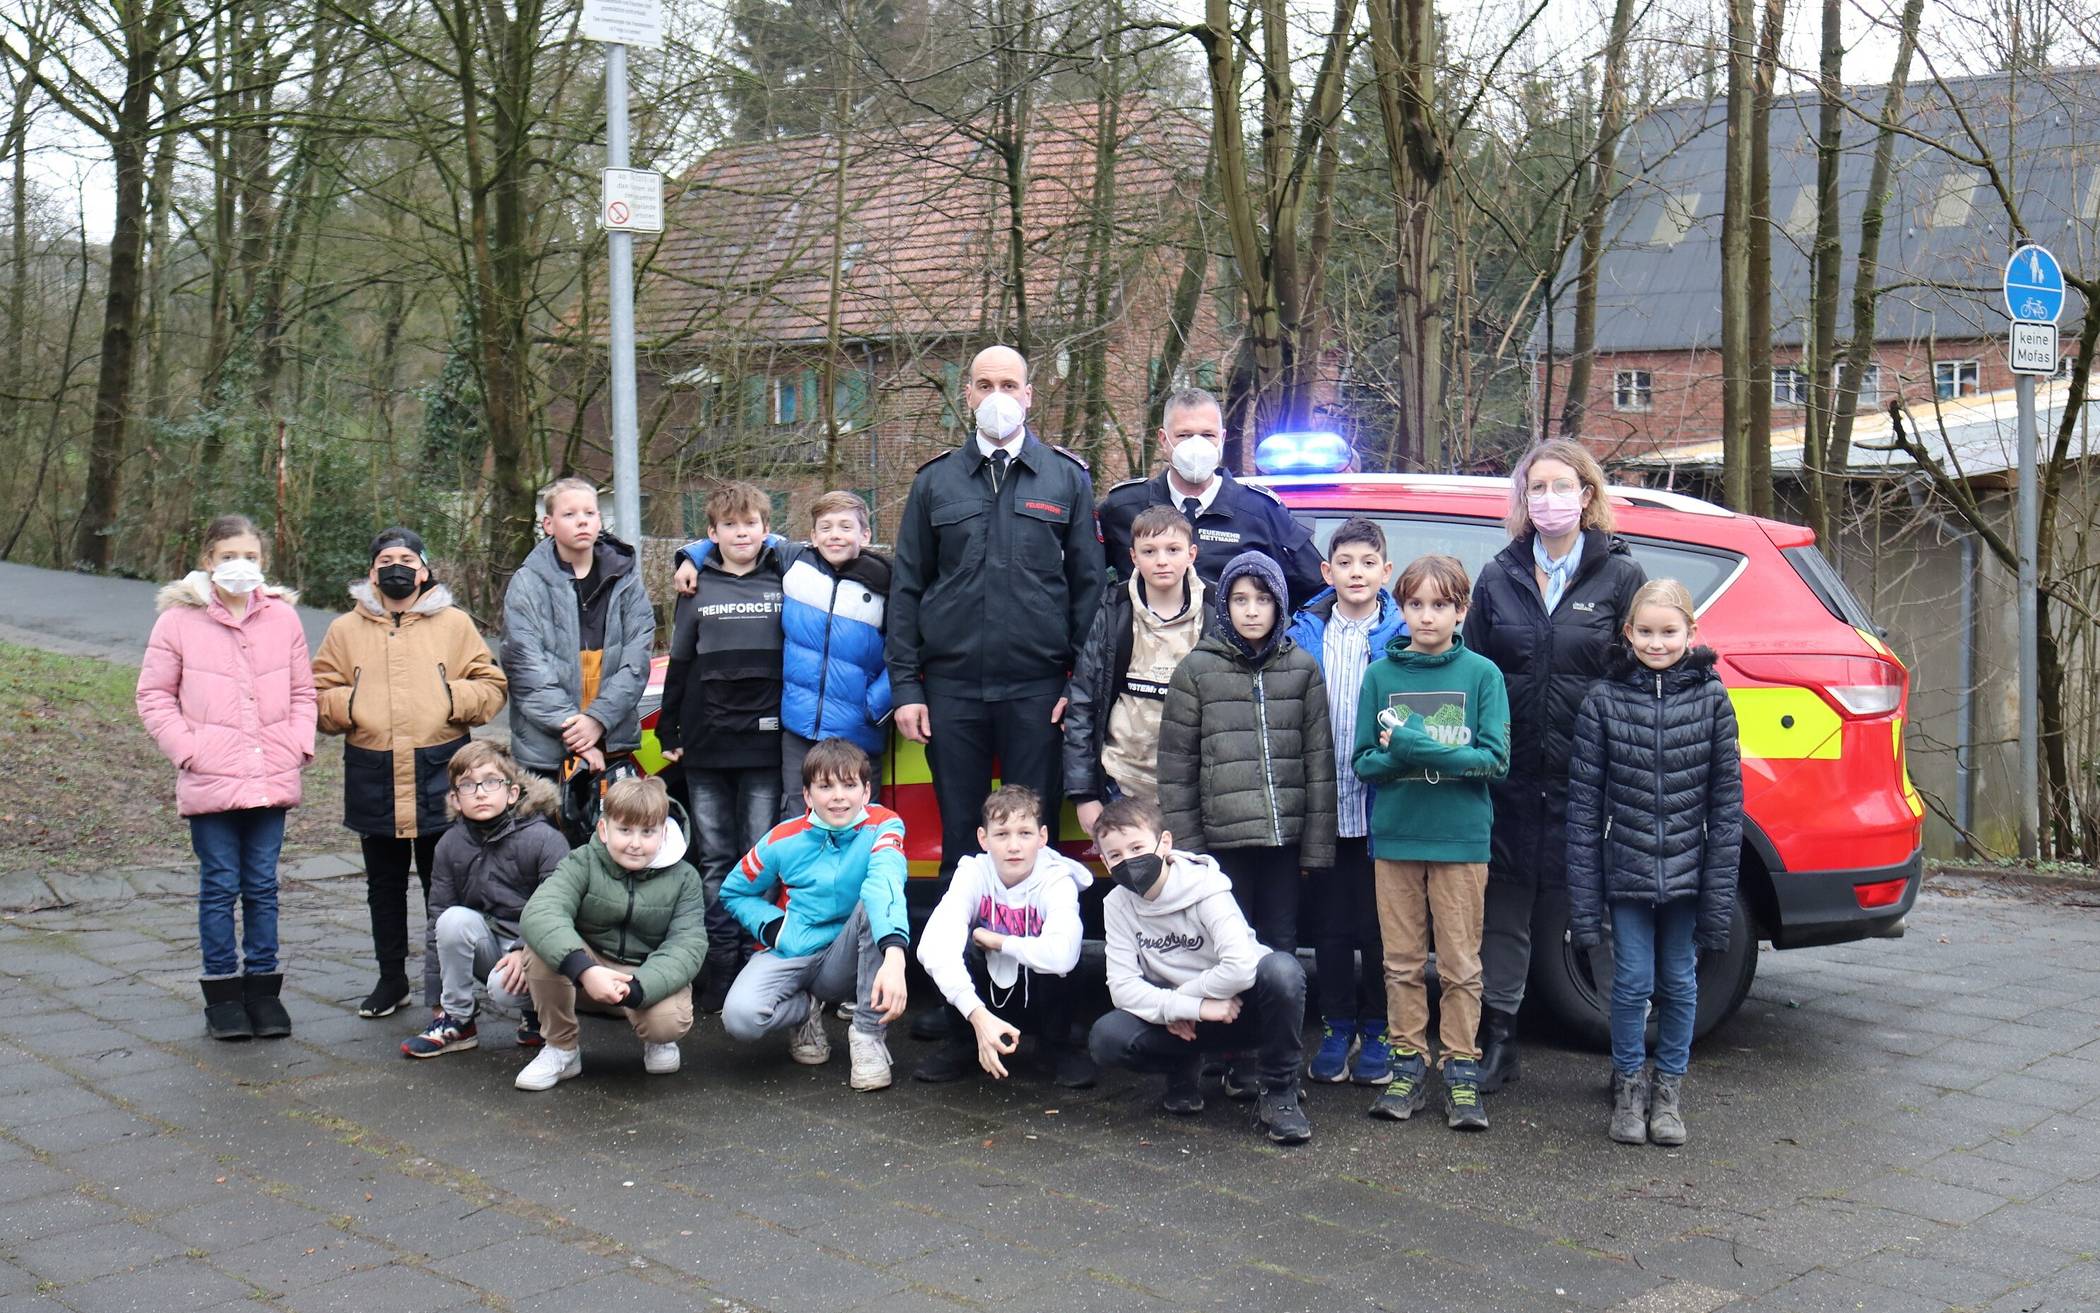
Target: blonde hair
638, 803
1596, 515
831, 503
1663, 592
560, 486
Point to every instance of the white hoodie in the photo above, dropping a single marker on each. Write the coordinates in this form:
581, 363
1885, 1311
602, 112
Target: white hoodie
1039, 918
1168, 954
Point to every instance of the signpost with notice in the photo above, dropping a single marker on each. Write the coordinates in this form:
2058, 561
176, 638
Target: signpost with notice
630, 201
2034, 299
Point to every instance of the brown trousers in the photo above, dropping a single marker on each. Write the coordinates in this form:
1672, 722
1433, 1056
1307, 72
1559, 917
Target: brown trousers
662, 1021
1413, 897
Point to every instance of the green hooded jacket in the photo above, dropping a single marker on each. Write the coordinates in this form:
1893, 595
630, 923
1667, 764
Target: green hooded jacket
655, 917
1430, 798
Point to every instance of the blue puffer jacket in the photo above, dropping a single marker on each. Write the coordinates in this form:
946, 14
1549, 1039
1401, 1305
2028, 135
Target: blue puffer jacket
1309, 627
836, 682
823, 873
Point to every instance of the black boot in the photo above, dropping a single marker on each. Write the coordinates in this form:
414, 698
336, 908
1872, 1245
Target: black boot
937, 1023
1498, 1049
266, 1014
225, 1016
954, 1059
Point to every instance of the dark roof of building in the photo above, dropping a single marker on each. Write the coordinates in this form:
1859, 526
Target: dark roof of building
1945, 237
746, 255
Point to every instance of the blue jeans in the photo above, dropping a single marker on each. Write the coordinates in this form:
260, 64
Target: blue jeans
237, 860
1653, 955
731, 811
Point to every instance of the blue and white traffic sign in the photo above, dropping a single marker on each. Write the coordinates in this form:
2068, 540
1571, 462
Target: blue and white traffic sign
2034, 285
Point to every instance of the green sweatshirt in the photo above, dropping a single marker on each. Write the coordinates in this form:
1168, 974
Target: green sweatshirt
1430, 800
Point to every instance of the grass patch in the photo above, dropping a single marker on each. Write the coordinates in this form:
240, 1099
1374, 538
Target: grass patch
87, 790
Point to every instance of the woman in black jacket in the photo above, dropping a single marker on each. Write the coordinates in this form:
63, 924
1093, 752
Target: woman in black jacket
1546, 610
1655, 823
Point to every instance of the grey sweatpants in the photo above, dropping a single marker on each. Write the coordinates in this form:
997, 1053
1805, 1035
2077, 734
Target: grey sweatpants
772, 992
467, 951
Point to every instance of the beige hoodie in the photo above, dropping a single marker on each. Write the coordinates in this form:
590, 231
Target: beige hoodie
1130, 751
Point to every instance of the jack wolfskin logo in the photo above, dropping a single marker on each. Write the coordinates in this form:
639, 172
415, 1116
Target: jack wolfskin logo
1583, 606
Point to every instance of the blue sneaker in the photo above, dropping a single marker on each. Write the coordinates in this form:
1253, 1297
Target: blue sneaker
1374, 1057
1330, 1065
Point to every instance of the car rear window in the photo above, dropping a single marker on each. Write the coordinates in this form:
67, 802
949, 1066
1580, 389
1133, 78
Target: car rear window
1704, 571
1829, 587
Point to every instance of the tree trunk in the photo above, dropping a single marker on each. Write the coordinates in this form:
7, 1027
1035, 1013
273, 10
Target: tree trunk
1403, 57
1824, 260
1736, 220
1611, 117
1757, 460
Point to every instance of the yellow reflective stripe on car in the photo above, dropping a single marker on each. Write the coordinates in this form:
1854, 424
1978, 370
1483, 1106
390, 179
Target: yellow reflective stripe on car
1786, 724
907, 763
1910, 791
1880, 648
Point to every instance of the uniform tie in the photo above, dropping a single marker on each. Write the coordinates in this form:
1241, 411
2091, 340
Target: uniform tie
1191, 507
999, 459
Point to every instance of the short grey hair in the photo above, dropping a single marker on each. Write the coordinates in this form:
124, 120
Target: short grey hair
1189, 399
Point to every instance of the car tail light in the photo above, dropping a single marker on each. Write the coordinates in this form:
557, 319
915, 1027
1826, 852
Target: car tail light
1858, 686
1882, 893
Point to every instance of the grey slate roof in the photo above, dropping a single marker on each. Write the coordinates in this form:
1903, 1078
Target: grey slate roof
1946, 234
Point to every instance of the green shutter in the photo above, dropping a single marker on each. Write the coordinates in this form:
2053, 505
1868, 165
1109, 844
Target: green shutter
755, 408
780, 510
868, 495
692, 509
951, 395
811, 411
1207, 376
852, 398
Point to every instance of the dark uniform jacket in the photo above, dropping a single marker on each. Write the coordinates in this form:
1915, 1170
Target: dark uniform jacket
1655, 796
993, 590
1548, 663
1241, 518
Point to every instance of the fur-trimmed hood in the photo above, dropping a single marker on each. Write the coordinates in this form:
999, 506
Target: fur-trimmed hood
435, 597
194, 589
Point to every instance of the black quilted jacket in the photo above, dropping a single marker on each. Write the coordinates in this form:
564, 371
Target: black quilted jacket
1655, 795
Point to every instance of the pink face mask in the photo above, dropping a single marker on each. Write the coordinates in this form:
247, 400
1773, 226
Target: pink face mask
1556, 512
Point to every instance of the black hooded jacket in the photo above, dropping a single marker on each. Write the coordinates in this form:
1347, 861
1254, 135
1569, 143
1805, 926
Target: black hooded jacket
1548, 663
1655, 795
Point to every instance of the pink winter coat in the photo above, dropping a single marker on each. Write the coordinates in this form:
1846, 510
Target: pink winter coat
229, 700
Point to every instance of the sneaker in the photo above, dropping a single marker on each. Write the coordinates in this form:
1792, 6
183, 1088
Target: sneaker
660, 1059
389, 996
1184, 1096
1239, 1086
1330, 1064
1665, 1112
1407, 1093
871, 1060
1280, 1117
949, 1062
809, 1045
1463, 1110
845, 1012
1072, 1068
1374, 1056
445, 1035
529, 1036
550, 1067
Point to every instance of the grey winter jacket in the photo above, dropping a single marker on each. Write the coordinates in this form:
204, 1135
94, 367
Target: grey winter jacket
1246, 756
494, 869
541, 643
1655, 795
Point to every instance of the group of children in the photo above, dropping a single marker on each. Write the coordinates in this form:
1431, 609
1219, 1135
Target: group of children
1232, 763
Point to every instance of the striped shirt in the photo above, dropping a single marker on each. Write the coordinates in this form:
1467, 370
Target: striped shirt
1347, 652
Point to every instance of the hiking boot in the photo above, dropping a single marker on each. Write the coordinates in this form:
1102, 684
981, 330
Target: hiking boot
871, 1060
225, 1012
266, 1014
1330, 1063
950, 1062
445, 1035
1184, 1096
661, 1059
809, 1045
1498, 1049
389, 996
1629, 1107
1463, 1110
1072, 1068
1239, 1086
934, 1023
1407, 1093
1665, 1116
1374, 1057
550, 1067
529, 1036
1280, 1117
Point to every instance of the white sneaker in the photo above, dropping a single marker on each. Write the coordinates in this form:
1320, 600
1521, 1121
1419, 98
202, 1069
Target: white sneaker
550, 1068
660, 1059
809, 1045
871, 1060
845, 1012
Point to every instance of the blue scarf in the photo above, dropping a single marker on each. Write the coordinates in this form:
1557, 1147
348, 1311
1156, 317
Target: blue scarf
1558, 573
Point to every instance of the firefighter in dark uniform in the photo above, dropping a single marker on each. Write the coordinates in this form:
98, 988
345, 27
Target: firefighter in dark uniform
1230, 517
997, 576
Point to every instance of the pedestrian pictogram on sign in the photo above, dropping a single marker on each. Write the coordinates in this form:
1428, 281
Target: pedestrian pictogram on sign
2034, 285
632, 201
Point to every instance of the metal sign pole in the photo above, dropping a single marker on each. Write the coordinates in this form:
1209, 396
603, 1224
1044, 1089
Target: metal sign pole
2030, 632
626, 428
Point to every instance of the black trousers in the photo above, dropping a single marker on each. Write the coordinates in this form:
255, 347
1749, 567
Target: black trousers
1265, 884
387, 862
1272, 1018
968, 737
1039, 1006
1346, 903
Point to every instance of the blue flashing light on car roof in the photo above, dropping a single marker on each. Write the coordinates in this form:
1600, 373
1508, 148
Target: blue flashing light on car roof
1303, 453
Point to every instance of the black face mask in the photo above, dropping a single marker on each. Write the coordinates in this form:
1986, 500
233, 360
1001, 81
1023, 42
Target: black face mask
397, 581
1138, 872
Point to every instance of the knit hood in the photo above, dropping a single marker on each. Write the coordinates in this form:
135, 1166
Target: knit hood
1269, 575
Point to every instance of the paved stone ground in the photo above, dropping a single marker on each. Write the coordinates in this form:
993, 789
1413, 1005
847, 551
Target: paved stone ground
1887, 1127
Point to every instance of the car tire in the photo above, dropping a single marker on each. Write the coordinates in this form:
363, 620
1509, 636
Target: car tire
1572, 986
